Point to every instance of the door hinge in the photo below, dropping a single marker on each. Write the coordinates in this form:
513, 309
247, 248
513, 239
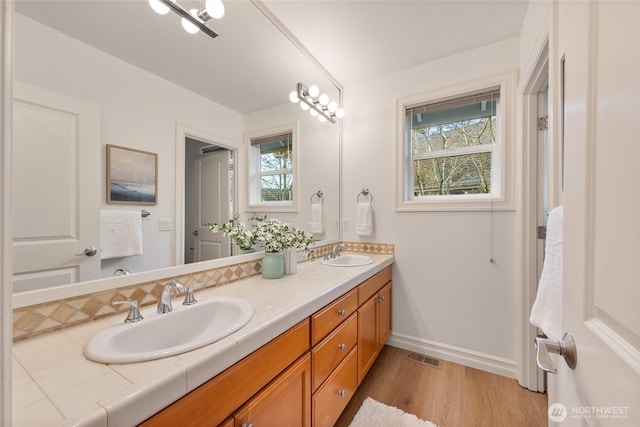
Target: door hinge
542, 232
543, 123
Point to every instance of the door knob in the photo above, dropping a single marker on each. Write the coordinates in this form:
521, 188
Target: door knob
566, 347
90, 251
195, 233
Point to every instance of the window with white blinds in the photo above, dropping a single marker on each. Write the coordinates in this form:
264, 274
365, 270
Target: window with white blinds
452, 148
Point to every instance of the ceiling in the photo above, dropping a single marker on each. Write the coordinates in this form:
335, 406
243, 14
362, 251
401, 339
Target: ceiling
252, 65
360, 39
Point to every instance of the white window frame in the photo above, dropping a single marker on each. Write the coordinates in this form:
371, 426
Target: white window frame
254, 204
502, 162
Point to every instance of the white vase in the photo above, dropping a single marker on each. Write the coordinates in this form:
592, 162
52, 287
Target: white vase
290, 261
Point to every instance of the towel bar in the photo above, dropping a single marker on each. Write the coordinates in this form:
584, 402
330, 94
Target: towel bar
365, 192
317, 194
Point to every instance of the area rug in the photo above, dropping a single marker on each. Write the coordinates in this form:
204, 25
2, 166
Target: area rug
375, 414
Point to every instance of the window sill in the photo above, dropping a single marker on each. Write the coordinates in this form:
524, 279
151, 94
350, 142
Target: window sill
455, 205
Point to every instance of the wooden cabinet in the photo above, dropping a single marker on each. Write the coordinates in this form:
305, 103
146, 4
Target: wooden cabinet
374, 322
334, 394
305, 377
285, 402
214, 401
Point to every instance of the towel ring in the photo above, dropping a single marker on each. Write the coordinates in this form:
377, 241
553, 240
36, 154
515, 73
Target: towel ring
365, 192
319, 195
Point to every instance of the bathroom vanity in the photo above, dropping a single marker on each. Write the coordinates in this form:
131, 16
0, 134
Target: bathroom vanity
311, 341
304, 377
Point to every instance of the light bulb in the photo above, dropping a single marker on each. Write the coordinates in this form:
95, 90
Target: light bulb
339, 113
215, 8
293, 96
313, 113
324, 99
322, 118
314, 91
159, 7
304, 106
188, 26
332, 107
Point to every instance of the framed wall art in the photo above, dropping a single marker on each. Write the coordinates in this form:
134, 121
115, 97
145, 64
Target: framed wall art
132, 176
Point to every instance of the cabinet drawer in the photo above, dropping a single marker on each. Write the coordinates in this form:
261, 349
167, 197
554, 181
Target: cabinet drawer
333, 349
325, 320
370, 286
331, 399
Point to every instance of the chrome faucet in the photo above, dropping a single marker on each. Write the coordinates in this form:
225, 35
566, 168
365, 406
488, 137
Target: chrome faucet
164, 305
335, 250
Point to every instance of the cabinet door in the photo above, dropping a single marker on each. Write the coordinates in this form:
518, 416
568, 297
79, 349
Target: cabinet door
286, 402
384, 315
367, 336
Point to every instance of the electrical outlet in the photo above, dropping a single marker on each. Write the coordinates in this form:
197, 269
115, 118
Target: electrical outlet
165, 224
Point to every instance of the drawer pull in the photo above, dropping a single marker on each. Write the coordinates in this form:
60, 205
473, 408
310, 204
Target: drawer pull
380, 298
342, 312
341, 347
342, 393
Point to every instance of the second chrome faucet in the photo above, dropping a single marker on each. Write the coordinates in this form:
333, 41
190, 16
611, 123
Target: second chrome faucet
164, 305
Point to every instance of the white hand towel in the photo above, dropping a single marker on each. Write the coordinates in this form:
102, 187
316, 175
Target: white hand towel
546, 313
120, 233
364, 219
316, 220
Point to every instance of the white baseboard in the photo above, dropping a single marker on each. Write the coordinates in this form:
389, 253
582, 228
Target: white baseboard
461, 356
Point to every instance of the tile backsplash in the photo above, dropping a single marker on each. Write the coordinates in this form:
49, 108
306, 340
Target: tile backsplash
50, 316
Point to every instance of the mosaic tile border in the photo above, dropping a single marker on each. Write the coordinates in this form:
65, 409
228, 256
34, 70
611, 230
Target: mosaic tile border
47, 317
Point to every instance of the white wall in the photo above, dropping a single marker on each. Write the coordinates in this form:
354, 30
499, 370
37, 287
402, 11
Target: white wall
449, 300
138, 110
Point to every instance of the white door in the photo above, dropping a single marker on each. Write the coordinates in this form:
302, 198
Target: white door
56, 189
211, 205
601, 300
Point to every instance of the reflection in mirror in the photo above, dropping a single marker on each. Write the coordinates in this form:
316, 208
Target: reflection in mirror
89, 85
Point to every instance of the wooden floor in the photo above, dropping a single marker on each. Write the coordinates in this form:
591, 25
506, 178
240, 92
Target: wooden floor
449, 396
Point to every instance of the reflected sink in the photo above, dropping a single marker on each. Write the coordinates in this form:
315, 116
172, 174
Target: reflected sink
349, 260
161, 335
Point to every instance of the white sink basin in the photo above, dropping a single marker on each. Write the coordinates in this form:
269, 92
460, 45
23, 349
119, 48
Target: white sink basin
161, 335
349, 260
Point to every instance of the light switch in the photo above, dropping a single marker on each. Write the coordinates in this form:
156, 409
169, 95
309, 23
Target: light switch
166, 224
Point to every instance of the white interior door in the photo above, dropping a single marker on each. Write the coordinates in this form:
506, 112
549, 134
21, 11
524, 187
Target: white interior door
211, 205
56, 189
601, 299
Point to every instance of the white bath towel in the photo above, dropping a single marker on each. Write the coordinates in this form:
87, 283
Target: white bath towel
546, 313
316, 218
364, 219
120, 233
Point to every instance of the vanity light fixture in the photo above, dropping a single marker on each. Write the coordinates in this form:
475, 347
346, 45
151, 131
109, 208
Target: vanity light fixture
193, 20
318, 104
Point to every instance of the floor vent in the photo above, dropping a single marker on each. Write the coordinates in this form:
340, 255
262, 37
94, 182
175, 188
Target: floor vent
417, 357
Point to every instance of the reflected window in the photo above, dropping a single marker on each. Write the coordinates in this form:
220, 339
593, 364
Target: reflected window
272, 174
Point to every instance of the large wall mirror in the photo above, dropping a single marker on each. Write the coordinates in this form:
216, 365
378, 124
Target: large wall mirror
88, 74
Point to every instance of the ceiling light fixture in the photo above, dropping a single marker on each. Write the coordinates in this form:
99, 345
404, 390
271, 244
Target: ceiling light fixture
318, 104
193, 20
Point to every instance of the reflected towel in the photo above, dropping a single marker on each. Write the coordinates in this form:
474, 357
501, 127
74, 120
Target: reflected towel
546, 313
316, 219
364, 219
120, 233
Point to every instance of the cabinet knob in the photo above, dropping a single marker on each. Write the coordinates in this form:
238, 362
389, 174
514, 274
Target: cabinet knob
341, 347
342, 312
247, 425
342, 393
380, 298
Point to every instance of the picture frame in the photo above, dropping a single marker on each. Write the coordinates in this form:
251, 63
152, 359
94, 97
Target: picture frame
132, 176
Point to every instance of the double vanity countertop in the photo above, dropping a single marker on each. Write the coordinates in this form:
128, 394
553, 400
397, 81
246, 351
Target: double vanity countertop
55, 385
